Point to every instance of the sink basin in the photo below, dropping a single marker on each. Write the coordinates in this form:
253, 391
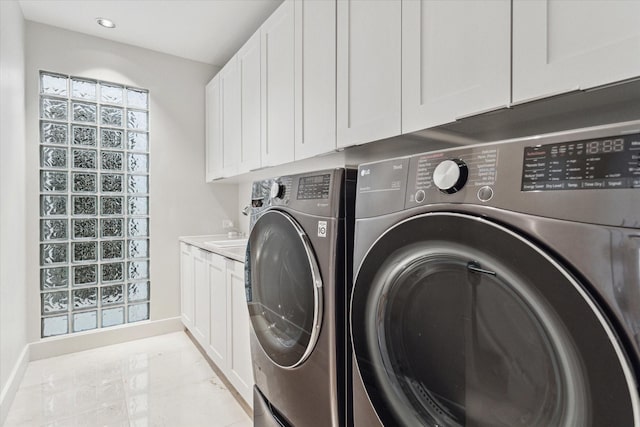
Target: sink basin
227, 243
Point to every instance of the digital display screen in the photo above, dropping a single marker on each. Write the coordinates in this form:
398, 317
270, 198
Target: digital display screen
583, 165
314, 187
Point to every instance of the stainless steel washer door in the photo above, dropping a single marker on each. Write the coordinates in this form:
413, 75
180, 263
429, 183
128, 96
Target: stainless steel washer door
284, 289
458, 321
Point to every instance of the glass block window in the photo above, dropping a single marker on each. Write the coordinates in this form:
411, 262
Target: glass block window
94, 204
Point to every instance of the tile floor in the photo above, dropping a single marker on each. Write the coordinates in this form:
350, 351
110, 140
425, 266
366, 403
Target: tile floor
158, 381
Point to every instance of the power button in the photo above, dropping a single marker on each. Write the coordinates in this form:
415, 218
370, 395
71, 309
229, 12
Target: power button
419, 196
485, 193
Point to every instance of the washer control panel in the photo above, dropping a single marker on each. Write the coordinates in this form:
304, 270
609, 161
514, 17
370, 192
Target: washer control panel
315, 187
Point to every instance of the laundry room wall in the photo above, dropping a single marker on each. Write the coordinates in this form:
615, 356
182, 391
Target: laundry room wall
181, 203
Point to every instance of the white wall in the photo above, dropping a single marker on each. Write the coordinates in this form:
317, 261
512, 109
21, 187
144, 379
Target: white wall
180, 201
13, 292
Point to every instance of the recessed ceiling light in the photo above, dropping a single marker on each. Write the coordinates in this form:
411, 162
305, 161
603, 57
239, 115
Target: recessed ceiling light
107, 23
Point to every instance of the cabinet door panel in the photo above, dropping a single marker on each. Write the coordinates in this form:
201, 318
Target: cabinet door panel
369, 70
186, 285
213, 129
231, 124
201, 317
249, 70
315, 77
455, 60
564, 45
217, 284
278, 67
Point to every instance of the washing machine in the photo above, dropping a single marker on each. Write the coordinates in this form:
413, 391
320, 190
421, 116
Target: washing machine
499, 284
298, 283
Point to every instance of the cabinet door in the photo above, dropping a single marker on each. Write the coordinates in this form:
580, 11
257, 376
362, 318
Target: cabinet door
455, 60
201, 297
187, 291
277, 38
315, 77
217, 348
213, 128
564, 45
240, 369
369, 70
249, 70
231, 124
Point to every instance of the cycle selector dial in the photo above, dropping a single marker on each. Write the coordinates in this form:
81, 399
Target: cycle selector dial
277, 190
450, 175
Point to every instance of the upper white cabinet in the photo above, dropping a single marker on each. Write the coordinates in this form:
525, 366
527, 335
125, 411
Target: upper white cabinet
315, 90
278, 100
564, 45
230, 111
455, 60
249, 75
368, 70
213, 130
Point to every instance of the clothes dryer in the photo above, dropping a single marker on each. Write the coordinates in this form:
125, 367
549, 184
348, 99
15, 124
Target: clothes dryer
499, 284
298, 284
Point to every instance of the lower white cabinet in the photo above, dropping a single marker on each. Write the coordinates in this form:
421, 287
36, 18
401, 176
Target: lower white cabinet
214, 310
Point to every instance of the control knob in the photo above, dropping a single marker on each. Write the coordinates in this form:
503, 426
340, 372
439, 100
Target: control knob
450, 175
277, 190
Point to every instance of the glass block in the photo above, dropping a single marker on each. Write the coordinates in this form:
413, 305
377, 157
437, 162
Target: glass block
138, 227
53, 253
84, 159
85, 321
138, 291
53, 229
84, 251
110, 93
83, 89
53, 109
113, 272
138, 270
54, 302
54, 277
137, 98
138, 184
52, 157
85, 275
110, 205
84, 205
138, 312
85, 228
112, 227
84, 182
112, 183
138, 205
138, 248
112, 294
111, 116
85, 298
53, 205
112, 160
137, 120
83, 112
85, 135
53, 181
138, 141
112, 316
138, 163
54, 133
57, 325
111, 138
112, 249
53, 84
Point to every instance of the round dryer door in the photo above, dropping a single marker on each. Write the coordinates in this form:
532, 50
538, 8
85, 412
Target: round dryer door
284, 289
458, 321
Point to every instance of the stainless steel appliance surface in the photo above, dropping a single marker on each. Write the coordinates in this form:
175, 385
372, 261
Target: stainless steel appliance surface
298, 283
499, 284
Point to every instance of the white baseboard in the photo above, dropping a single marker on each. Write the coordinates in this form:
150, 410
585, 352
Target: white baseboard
13, 383
56, 346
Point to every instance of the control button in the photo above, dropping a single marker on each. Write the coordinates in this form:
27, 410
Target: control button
485, 193
420, 196
277, 190
450, 175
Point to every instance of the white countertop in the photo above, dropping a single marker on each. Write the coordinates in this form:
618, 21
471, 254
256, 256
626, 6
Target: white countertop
236, 253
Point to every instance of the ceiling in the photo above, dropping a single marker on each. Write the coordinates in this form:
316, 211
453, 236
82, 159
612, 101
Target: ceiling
209, 31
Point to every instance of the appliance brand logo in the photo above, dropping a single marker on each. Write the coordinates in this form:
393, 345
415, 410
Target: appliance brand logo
397, 167
365, 172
